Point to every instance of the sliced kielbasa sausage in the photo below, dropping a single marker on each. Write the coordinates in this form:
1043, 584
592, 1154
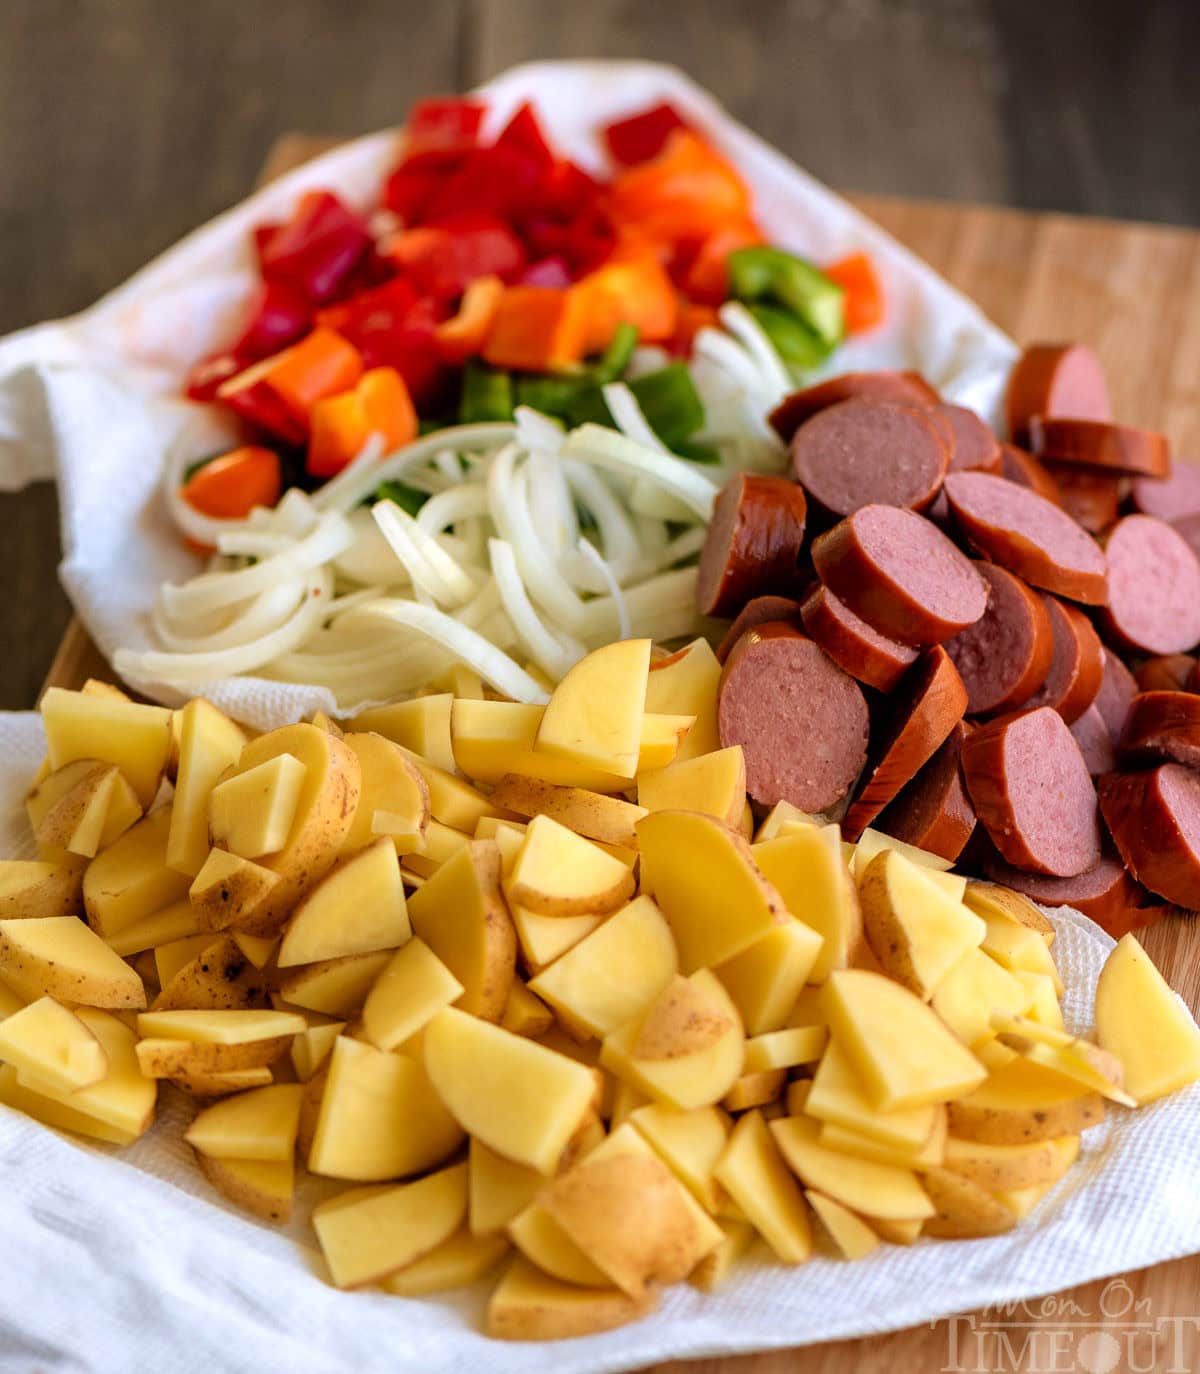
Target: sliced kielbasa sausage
866, 452
901, 574
753, 543
1004, 657
975, 446
1118, 687
910, 388
1165, 673
1077, 664
1154, 817
1162, 727
1095, 743
1030, 788
1024, 469
1105, 893
802, 722
1089, 496
933, 811
1153, 588
1100, 444
758, 611
853, 645
922, 711
1028, 535
1170, 498
1055, 379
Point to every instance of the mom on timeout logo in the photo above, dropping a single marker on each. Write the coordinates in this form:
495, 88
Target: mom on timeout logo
1121, 1334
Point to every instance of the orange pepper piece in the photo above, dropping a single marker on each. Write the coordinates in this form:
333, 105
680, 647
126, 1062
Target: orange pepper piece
692, 319
379, 404
636, 291
321, 364
863, 303
689, 190
464, 334
538, 328
229, 487
707, 278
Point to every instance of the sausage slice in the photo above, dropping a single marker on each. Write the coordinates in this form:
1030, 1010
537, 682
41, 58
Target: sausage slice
975, 446
1095, 743
901, 574
933, 811
753, 543
1162, 727
1153, 588
1105, 893
1055, 379
1004, 657
1165, 673
925, 707
802, 722
1101, 444
1028, 535
1154, 818
1031, 791
1024, 469
853, 645
1170, 498
1118, 687
758, 611
1088, 495
1077, 665
867, 452
909, 388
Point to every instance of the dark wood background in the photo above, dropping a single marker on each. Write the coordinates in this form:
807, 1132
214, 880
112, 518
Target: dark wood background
125, 123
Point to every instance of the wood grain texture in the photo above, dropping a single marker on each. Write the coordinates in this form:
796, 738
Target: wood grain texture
1133, 291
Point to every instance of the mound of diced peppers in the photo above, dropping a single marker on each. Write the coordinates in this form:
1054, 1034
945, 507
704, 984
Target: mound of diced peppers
506, 275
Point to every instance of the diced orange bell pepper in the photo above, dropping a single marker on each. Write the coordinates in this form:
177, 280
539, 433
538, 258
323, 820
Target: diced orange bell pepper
538, 328
463, 335
863, 302
689, 190
229, 487
637, 291
321, 364
707, 277
692, 319
379, 404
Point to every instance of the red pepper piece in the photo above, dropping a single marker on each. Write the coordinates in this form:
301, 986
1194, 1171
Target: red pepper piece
403, 339
318, 248
395, 298
262, 235
551, 271
499, 181
211, 373
444, 122
582, 243
443, 259
524, 135
249, 396
413, 183
279, 316
642, 136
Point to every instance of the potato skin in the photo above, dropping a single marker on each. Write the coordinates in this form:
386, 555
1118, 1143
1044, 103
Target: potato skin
240, 1193
992, 1126
964, 1209
219, 978
885, 934
996, 1172
186, 1057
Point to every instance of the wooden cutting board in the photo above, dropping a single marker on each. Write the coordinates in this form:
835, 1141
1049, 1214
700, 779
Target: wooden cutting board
1133, 292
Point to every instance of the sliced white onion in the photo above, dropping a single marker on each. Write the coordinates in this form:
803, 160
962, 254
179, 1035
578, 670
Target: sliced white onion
624, 408
538, 431
252, 543
616, 453
754, 339
263, 614
449, 507
592, 554
552, 653
459, 585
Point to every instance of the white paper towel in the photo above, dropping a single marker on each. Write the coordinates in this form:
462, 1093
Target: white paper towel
92, 400
127, 1260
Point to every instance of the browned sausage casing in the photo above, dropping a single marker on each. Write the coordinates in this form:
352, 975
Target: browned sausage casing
1164, 673
869, 452
925, 707
1032, 793
933, 811
853, 645
975, 446
802, 723
1025, 470
1028, 535
1004, 657
758, 611
901, 574
1077, 665
1154, 817
1100, 444
1105, 893
1089, 496
910, 388
1055, 379
753, 543
1153, 588
1162, 727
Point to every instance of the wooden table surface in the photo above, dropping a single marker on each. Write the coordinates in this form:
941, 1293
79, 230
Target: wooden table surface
1133, 291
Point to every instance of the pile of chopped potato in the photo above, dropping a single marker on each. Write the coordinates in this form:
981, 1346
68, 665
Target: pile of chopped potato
520, 971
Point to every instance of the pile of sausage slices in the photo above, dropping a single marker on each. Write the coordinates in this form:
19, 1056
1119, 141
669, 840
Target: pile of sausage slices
981, 648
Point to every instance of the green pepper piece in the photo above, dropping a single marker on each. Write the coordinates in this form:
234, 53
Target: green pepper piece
770, 274
670, 403
795, 343
487, 394
615, 358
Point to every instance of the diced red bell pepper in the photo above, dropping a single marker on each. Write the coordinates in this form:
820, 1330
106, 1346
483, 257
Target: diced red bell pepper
567, 191
210, 374
229, 487
463, 335
262, 235
499, 181
341, 424
707, 276
862, 304
279, 316
642, 136
538, 328
394, 299
442, 259
524, 134
411, 186
248, 395
552, 271
318, 248
582, 243
444, 122
387, 335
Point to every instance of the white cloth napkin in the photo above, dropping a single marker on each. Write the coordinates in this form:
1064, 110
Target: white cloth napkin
91, 400
121, 1260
